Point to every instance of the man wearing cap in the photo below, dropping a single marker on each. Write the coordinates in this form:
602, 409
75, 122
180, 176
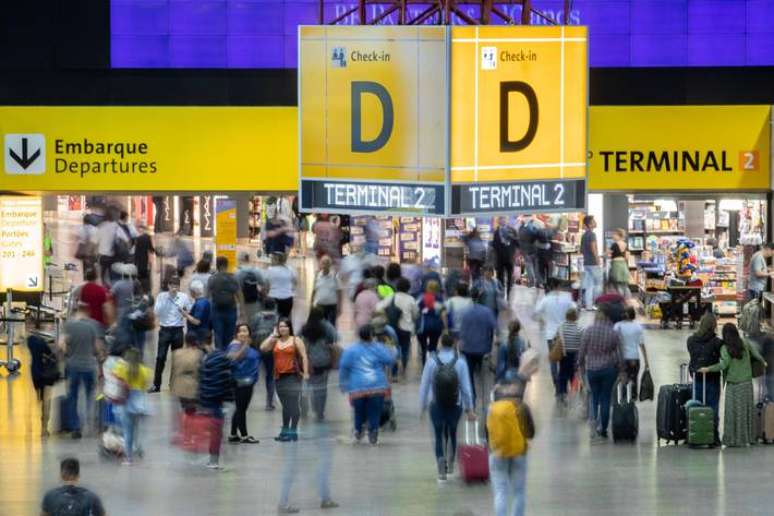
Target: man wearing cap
169, 309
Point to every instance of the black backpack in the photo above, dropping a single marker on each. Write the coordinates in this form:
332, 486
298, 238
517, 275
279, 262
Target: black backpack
393, 313
446, 383
250, 287
73, 502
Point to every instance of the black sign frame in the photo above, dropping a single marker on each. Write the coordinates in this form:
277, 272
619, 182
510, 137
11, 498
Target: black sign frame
537, 196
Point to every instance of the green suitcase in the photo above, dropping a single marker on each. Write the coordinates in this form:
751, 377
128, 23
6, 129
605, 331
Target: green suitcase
701, 420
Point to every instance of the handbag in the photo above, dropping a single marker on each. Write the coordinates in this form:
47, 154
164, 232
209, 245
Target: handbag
646, 386
50, 373
556, 353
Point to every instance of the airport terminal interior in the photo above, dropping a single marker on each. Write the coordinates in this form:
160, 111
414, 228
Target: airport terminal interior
387, 257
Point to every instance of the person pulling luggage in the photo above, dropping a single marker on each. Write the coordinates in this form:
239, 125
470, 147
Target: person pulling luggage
445, 391
704, 349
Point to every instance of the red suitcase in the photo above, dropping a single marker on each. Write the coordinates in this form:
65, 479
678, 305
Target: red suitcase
473, 457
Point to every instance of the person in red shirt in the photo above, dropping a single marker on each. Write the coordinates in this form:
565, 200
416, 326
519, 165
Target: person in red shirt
96, 296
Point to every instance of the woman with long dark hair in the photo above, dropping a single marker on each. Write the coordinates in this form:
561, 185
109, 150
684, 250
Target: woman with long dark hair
291, 368
319, 336
736, 357
244, 366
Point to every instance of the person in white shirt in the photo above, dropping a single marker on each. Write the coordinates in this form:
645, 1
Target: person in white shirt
456, 307
327, 290
282, 284
409, 313
632, 343
552, 311
169, 309
106, 233
86, 250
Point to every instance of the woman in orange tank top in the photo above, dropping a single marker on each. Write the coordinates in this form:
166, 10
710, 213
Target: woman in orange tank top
291, 368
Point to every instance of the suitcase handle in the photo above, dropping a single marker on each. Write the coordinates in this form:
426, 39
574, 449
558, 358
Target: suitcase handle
628, 392
684, 372
704, 389
476, 441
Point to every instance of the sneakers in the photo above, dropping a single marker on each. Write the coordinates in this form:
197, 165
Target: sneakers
154, 389
357, 435
373, 438
249, 440
287, 509
214, 466
442, 471
328, 504
77, 434
234, 439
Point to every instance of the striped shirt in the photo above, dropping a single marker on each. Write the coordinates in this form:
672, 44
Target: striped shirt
571, 335
600, 347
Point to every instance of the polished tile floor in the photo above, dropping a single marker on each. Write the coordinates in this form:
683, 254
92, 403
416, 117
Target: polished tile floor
567, 474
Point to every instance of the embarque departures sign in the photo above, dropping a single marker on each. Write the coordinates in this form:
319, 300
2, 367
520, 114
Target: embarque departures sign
442, 120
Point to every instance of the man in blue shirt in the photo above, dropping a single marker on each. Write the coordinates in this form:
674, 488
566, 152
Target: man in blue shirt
477, 332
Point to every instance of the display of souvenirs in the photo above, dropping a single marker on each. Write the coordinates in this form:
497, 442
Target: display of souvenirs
686, 261
409, 235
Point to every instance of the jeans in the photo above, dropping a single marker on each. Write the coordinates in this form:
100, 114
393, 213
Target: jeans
592, 284
601, 383
505, 275
131, 426
75, 378
169, 336
289, 392
242, 397
368, 408
509, 484
554, 366
566, 371
105, 274
445, 423
223, 325
475, 363
713, 397
474, 266
530, 263
268, 366
404, 342
428, 343
318, 385
321, 435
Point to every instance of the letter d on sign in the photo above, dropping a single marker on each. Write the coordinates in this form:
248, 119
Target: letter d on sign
525, 89
374, 88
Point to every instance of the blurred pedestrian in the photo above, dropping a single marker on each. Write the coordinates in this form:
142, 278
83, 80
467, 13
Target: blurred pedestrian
199, 318
326, 293
263, 326
551, 310
96, 297
476, 252
362, 376
505, 241
86, 246
254, 287
445, 391
82, 344
404, 324
60, 501
592, 269
202, 274
456, 306
225, 296
216, 386
184, 377
570, 333
45, 373
143, 250
327, 238
509, 352
136, 377
478, 330
282, 284
106, 237
431, 323
319, 337
492, 295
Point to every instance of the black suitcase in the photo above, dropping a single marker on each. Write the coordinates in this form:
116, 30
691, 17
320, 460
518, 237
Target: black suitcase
626, 422
671, 420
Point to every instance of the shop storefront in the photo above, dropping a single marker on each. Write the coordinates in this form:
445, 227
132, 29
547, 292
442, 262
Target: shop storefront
690, 186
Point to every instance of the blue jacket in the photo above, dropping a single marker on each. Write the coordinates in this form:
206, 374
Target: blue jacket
465, 397
247, 366
477, 330
362, 367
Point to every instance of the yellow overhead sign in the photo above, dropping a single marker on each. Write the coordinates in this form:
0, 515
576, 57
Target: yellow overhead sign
657, 148
373, 102
21, 244
518, 103
79, 149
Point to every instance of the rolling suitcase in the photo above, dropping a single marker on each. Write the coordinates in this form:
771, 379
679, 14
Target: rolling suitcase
701, 419
671, 424
625, 417
763, 418
473, 457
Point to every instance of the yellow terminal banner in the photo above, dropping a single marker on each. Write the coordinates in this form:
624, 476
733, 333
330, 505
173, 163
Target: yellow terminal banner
102, 149
666, 148
518, 103
21, 244
373, 102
